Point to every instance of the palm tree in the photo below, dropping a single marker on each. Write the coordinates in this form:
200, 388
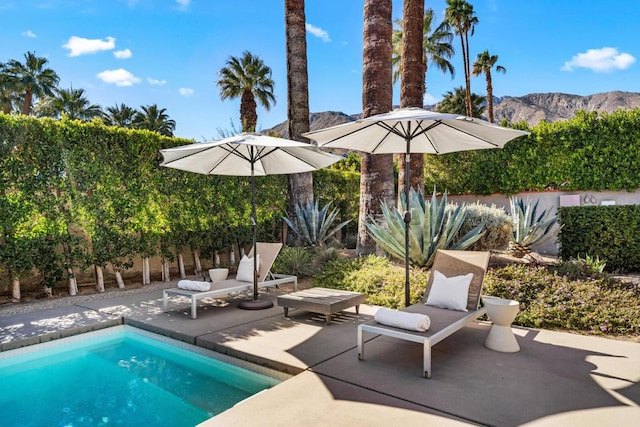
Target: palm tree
120, 115
483, 64
156, 119
456, 102
70, 102
300, 185
376, 170
459, 15
249, 79
7, 90
32, 78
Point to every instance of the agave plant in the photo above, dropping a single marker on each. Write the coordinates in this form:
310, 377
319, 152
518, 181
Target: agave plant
530, 227
434, 225
314, 225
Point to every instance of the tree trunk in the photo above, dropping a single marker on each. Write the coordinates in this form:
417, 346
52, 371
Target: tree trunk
248, 111
99, 279
489, 97
73, 284
119, 280
183, 274
467, 75
216, 259
196, 261
165, 270
300, 186
15, 288
146, 274
376, 170
412, 84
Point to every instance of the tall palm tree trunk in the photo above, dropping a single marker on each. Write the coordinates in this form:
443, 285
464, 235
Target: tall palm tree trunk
412, 84
248, 111
300, 185
28, 99
467, 75
376, 170
489, 97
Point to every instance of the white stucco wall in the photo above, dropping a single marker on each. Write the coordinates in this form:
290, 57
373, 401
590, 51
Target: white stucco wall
551, 200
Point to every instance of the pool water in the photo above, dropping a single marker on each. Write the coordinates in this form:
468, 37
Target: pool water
119, 379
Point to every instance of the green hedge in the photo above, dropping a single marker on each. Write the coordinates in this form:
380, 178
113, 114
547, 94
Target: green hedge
611, 233
591, 152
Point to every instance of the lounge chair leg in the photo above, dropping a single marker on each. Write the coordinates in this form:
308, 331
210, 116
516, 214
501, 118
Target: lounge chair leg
360, 344
358, 309
426, 363
286, 311
194, 308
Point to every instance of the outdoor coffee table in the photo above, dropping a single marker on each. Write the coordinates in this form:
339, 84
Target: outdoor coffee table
321, 300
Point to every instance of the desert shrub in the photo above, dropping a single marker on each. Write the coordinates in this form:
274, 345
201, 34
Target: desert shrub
580, 268
497, 226
377, 277
294, 260
551, 300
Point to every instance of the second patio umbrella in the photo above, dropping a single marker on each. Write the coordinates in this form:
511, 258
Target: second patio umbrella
414, 130
248, 154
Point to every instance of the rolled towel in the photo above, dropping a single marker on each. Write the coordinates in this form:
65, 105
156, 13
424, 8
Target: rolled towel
402, 319
194, 285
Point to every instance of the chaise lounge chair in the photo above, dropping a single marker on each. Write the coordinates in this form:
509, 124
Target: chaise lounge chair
267, 253
444, 321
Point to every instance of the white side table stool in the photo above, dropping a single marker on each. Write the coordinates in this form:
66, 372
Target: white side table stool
501, 312
218, 274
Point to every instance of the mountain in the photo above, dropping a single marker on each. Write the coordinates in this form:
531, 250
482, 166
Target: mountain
553, 107
531, 108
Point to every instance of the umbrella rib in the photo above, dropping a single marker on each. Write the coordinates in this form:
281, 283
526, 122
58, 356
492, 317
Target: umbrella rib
345, 135
470, 134
420, 130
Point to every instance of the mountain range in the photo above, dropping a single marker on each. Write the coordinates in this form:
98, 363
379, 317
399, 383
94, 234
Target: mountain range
531, 108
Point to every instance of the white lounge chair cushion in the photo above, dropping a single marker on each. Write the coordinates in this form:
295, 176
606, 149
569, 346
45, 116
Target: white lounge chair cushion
449, 292
402, 319
194, 285
245, 268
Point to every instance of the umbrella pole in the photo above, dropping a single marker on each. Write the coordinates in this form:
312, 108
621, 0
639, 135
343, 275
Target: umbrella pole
255, 303
407, 221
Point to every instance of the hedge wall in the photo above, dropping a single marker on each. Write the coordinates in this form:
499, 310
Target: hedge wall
591, 152
611, 233
76, 194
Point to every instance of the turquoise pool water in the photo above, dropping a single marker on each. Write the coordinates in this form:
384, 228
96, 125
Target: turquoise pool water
120, 378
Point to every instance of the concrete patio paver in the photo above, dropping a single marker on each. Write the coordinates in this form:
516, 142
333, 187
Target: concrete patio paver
556, 379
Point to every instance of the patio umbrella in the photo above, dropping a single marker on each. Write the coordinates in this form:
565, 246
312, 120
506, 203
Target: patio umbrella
414, 130
248, 154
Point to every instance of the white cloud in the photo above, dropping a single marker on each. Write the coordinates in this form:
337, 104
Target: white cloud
29, 34
156, 82
119, 77
80, 46
318, 32
184, 91
429, 99
183, 4
122, 54
601, 60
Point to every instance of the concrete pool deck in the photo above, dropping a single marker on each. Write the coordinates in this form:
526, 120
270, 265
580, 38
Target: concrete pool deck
555, 379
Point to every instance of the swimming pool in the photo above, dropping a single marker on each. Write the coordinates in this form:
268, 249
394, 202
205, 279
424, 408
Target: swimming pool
121, 376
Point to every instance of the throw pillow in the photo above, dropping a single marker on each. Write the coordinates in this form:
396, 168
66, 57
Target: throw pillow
449, 292
245, 269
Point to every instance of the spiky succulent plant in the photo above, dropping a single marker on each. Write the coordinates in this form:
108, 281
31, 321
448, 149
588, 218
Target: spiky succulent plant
434, 225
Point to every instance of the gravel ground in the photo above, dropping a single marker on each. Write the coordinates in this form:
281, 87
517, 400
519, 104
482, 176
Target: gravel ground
11, 308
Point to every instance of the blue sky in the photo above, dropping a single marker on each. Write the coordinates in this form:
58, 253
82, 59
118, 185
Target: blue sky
168, 52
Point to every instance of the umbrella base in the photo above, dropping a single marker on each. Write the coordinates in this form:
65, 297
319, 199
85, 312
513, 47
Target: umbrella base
255, 305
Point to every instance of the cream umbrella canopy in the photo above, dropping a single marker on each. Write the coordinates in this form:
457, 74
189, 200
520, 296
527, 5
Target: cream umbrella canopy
414, 130
248, 154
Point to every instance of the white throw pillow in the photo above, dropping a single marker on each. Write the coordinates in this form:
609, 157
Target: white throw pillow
245, 269
449, 292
